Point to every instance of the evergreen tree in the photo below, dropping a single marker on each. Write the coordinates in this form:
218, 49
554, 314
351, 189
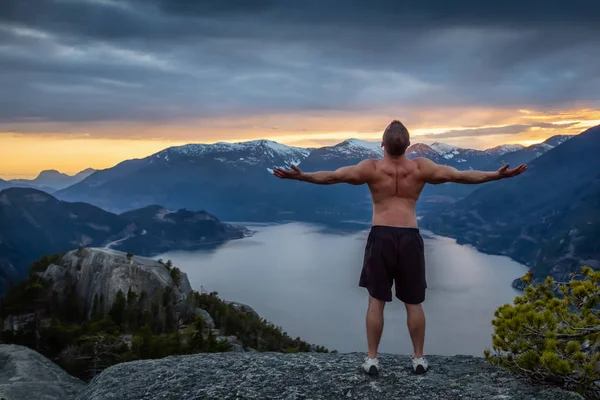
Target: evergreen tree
143, 343
552, 332
132, 310
95, 311
176, 276
154, 317
117, 311
70, 306
55, 308
101, 305
197, 343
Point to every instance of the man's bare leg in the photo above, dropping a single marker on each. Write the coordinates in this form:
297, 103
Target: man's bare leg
374, 325
415, 318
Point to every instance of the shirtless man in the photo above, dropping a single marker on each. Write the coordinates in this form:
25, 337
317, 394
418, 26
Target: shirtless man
394, 251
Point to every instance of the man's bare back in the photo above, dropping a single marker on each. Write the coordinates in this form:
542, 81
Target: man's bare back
395, 187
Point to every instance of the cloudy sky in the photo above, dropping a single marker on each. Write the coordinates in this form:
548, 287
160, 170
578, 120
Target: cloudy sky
87, 83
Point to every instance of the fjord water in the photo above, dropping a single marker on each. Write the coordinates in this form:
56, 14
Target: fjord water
304, 278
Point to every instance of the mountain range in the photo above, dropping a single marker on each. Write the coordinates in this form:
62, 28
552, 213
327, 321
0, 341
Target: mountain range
217, 177
234, 181
34, 223
547, 218
49, 180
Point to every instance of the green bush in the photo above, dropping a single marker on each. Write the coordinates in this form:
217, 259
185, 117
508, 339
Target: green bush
551, 334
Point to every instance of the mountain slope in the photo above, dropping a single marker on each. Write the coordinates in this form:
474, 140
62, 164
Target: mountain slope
437, 197
532, 152
214, 177
49, 180
547, 218
35, 223
81, 175
423, 150
164, 230
462, 158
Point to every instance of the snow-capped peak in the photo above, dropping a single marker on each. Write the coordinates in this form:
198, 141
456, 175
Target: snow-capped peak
505, 149
359, 148
281, 149
224, 147
357, 143
443, 148
421, 150
252, 153
557, 140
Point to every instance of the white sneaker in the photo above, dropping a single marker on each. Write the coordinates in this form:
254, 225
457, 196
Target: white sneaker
419, 365
371, 366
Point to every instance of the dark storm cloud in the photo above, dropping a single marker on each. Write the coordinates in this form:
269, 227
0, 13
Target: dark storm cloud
86, 60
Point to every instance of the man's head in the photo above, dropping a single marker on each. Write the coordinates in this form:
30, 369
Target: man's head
396, 139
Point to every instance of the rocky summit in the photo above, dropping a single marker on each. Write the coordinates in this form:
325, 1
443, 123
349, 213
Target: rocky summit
309, 376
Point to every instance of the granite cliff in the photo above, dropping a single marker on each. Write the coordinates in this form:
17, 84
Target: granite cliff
101, 273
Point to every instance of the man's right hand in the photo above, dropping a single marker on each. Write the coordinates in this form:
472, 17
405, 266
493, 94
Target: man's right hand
504, 172
294, 173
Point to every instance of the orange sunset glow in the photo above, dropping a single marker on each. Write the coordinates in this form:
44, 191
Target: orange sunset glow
71, 148
85, 93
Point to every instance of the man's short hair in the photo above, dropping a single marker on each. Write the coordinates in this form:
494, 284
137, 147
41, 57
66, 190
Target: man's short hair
396, 139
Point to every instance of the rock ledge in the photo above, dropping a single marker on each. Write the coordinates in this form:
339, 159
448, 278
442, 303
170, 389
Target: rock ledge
309, 376
27, 375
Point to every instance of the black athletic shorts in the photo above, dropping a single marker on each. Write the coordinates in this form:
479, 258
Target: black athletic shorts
394, 255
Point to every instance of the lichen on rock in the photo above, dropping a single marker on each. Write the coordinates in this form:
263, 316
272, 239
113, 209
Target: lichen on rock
309, 376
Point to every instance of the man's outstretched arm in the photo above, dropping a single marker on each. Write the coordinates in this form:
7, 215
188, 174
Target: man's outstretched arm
434, 173
355, 174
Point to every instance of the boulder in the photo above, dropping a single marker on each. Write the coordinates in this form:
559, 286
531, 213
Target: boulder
206, 318
243, 307
27, 375
310, 376
17, 322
